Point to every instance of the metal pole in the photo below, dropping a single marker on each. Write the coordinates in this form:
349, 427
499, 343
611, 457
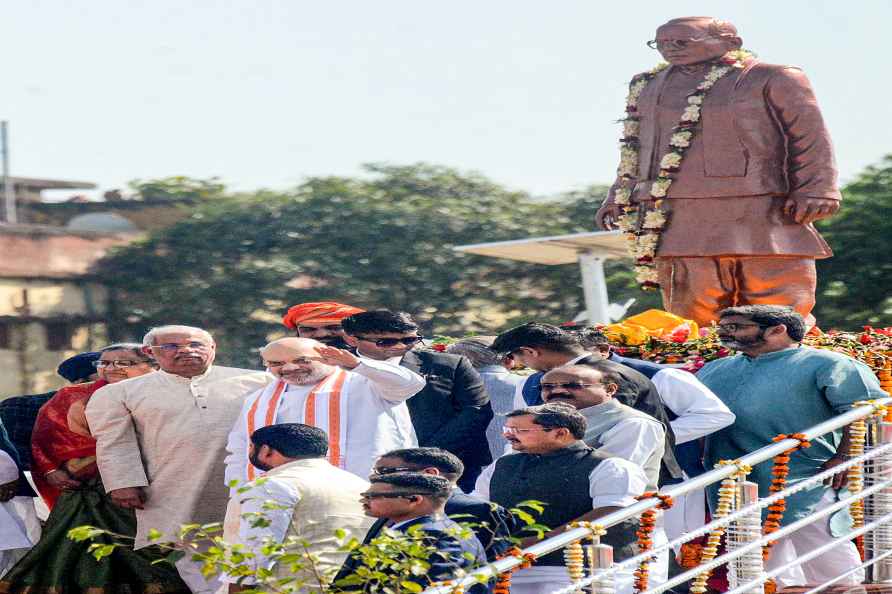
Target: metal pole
744, 531
594, 287
8, 194
600, 556
878, 470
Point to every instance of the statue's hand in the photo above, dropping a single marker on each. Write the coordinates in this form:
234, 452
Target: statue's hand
607, 216
808, 210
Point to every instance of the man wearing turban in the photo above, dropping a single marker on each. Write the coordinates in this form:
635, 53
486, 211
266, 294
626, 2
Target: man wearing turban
320, 321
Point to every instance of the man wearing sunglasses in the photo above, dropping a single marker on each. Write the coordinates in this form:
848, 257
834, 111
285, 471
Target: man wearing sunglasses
320, 320
453, 410
491, 523
412, 504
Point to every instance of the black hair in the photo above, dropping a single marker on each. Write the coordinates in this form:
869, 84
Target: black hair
437, 488
378, 321
770, 315
591, 337
446, 462
555, 415
292, 440
537, 335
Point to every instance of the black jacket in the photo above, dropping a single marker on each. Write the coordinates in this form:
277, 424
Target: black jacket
453, 411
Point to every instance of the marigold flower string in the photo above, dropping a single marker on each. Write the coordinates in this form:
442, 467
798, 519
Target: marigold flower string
780, 471
646, 524
643, 226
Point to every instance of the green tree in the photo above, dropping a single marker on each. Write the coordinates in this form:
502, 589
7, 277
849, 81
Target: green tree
855, 285
382, 240
177, 188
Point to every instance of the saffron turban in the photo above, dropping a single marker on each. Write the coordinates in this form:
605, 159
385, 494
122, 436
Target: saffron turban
321, 313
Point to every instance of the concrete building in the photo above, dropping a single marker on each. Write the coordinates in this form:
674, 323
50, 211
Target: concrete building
51, 305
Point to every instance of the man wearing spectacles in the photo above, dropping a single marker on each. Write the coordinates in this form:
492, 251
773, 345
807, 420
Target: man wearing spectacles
552, 464
359, 403
412, 504
777, 385
758, 170
161, 438
453, 410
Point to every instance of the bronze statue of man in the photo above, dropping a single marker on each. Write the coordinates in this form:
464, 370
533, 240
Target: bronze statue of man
757, 172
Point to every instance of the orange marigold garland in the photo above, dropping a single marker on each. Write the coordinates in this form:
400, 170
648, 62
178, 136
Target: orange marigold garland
780, 471
646, 524
503, 583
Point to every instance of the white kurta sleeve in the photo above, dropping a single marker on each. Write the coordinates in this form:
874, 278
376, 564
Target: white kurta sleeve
518, 401
481, 487
393, 383
615, 483
699, 411
237, 444
279, 516
633, 439
117, 449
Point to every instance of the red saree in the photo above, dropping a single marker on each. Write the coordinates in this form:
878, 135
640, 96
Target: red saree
62, 440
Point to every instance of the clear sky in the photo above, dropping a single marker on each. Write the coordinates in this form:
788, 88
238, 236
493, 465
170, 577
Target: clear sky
264, 93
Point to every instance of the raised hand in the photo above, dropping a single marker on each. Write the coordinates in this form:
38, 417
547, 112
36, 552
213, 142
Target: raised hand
334, 356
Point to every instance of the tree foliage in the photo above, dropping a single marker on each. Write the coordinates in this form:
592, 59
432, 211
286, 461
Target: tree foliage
382, 240
855, 285
386, 238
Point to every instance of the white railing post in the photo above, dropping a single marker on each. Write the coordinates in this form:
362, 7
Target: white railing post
875, 471
746, 530
600, 556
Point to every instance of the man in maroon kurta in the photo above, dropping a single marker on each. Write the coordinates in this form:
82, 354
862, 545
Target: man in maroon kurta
760, 170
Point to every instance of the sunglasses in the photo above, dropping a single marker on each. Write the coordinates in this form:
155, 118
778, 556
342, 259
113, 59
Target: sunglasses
117, 363
392, 342
379, 470
370, 495
572, 386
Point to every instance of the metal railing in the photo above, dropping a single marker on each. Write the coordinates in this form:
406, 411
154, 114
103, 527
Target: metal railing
745, 548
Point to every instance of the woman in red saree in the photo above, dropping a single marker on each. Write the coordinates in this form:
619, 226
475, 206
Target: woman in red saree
65, 472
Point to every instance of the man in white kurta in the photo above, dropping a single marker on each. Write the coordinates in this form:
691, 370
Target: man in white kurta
160, 438
359, 403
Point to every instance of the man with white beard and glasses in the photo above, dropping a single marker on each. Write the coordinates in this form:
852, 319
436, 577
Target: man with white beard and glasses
359, 403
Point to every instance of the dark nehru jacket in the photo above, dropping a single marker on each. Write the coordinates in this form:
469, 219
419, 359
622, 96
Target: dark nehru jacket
560, 480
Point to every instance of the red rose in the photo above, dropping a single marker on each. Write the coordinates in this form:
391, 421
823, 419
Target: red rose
439, 347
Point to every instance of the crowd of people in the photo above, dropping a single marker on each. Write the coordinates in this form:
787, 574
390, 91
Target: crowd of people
356, 427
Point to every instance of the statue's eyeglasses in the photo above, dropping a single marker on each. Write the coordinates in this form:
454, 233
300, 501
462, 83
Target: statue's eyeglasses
678, 43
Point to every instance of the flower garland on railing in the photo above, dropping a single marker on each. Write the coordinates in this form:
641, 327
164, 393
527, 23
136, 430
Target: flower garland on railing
644, 232
855, 474
503, 582
646, 523
780, 471
725, 502
574, 556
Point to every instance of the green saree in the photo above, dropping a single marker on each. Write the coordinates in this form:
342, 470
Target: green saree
58, 565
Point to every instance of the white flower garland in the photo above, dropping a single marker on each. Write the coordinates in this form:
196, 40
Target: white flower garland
644, 235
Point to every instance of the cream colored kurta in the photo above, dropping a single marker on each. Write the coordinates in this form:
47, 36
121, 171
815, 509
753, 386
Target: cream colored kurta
168, 433
313, 500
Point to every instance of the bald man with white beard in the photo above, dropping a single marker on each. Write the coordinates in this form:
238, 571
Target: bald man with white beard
359, 403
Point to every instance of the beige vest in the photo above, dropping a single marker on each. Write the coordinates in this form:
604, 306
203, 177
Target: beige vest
329, 499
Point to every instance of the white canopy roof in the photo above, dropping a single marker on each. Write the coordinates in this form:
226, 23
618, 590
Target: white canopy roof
558, 249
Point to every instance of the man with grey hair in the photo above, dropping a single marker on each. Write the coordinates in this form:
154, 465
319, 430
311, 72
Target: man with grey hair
161, 438
500, 383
